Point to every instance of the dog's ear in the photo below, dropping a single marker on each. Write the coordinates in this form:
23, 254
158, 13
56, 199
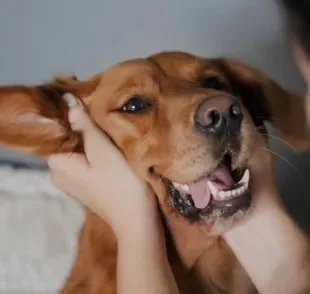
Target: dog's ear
34, 119
266, 100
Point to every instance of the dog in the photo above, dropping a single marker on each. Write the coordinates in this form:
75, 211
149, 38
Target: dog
188, 125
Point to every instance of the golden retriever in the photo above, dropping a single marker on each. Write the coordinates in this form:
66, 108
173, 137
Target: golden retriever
188, 125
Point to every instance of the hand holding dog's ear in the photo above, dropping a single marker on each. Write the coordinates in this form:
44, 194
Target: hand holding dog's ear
101, 179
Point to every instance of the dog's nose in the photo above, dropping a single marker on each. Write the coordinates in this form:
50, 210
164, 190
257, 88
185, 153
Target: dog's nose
219, 114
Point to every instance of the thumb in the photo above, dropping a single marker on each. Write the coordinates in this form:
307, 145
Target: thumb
95, 141
78, 118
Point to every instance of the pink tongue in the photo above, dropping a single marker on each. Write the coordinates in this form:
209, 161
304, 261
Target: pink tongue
200, 191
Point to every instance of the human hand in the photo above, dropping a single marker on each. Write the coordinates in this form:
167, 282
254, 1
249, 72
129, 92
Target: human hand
102, 179
268, 239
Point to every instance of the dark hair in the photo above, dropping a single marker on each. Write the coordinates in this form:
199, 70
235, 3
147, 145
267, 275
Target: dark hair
297, 13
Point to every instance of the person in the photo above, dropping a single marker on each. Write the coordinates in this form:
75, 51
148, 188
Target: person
273, 250
297, 18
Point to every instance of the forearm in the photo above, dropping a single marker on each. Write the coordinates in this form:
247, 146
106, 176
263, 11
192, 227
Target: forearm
143, 265
277, 257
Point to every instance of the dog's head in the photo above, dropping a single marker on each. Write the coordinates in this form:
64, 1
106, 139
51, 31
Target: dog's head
188, 125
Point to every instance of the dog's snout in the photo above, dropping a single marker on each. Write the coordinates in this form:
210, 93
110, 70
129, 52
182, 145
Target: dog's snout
219, 114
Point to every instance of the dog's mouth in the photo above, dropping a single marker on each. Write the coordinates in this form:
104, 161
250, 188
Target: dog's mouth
221, 193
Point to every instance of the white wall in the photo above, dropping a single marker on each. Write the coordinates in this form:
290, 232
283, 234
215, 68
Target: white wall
40, 38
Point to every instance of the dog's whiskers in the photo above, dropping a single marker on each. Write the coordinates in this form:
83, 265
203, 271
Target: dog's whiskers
285, 142
283, 158
254, 130
275, 137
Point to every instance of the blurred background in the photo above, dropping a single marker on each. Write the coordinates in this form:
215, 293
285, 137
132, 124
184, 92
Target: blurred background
41, 38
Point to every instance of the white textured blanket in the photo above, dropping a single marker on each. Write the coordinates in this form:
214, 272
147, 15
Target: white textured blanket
38, 229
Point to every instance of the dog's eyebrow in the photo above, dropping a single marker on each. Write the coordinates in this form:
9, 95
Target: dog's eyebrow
142, 77
157, 65
129, 83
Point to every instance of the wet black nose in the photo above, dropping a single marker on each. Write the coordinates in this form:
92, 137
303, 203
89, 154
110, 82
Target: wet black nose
219, 115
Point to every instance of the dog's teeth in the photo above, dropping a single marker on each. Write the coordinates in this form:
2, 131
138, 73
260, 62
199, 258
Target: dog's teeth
222, 194
246, 178
219, 195
213, 189
181, 187
184, 188
176, 185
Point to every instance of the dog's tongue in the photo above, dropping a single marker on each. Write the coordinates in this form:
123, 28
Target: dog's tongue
200, 191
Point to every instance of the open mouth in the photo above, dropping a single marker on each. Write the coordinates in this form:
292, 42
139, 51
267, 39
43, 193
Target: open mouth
223, 192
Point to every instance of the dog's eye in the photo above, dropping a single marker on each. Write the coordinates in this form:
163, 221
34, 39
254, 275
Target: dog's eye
213, 83
136, 104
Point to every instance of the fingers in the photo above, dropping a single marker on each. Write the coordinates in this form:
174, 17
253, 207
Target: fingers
95, 141
70, 100
67, 162
66, 168
79, 120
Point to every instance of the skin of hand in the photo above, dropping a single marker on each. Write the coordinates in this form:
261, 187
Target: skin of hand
130, 208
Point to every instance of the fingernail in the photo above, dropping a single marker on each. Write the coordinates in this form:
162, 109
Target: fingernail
71, 100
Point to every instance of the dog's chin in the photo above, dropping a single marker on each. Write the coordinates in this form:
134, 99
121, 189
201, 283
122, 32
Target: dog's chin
221, 197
